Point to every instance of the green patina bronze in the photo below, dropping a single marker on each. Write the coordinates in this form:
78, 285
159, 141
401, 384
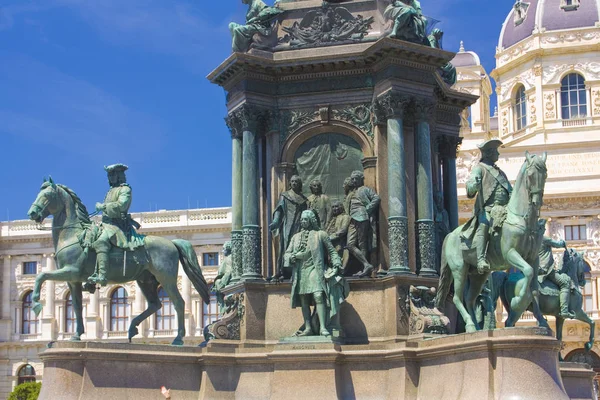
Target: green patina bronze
409, 23
448, 71
223, 278
572, 273
157, 263
314, 280
259, 21
513, 243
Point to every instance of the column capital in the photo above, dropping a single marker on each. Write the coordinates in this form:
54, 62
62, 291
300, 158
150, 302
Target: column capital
448, 145
423, 109
285, 167
390, 105
248, 117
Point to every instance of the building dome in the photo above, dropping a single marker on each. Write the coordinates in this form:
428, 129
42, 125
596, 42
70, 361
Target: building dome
550, 15
465, 58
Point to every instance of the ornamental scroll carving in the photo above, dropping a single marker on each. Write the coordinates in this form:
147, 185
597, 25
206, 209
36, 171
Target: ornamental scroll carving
553, 73
228, 327
424, 317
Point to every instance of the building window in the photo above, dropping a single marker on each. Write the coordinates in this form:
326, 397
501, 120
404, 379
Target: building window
29, 268
70, 320
165, 316
575, 232
210, 259
573, 97
569, 5
588, 297
119, 310
26, 374
210, 312
520, 109
30, 322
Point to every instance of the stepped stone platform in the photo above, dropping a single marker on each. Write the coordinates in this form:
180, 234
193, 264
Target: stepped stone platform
519, 363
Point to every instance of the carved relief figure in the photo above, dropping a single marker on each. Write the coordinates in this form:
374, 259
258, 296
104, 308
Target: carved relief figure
259, 19
409, 23
363, 207
223, 277
337, 229
307, 256
319, 203
286, 217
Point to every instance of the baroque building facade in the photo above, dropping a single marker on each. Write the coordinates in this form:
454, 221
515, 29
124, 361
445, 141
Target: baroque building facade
547, 79
25, 251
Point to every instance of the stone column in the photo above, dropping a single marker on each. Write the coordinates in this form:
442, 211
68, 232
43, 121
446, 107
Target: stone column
425, 226
392, 107
248, 118
448, 148
236, 206
186, 293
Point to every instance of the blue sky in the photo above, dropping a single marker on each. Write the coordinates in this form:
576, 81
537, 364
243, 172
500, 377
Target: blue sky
87, 83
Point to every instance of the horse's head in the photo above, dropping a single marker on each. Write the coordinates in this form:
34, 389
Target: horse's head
575, 266
535, 179
46, 202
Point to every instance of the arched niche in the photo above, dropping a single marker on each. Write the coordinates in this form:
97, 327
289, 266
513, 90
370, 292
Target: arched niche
329, 153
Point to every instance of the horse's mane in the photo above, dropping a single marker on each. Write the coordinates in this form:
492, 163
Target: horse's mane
80, 209
82, 212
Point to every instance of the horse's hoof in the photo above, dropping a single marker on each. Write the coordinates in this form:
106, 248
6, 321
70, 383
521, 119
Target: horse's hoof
75, 338
471, 328
177, 342
588, 346
132, 332
37, 308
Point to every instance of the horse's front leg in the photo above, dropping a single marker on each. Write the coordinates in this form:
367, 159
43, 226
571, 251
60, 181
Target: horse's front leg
64, 275
514, 258
77, 298
580, 315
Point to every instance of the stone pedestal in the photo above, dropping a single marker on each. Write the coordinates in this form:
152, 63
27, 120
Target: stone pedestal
501, 364
578, 380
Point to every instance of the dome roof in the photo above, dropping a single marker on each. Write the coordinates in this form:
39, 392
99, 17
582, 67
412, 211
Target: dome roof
549, 14
465, 58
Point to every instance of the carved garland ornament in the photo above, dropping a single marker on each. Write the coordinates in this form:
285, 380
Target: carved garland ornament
251, 250
596, 94
359, 115
549, 106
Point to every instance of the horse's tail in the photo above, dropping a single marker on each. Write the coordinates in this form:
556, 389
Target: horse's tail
192, 269
445, 279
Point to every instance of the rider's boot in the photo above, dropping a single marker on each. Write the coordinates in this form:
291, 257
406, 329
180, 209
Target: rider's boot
99, 277
565, 295
480, 241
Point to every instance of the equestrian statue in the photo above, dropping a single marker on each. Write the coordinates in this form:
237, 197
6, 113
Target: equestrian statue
79, 244
501, 234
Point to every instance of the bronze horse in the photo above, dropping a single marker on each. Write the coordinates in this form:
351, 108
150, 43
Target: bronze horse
76, 263
516, 244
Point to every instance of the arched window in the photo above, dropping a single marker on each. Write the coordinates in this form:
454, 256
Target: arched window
573, 98
29, 324
69, 315
165, 317
26, 374
119, 310
520, 109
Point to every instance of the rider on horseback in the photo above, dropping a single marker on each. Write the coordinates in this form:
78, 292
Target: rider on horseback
493, 190
117, 227
547, 271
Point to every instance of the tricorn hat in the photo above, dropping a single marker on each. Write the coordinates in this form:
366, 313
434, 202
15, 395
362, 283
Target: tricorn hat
490, 144
116, 168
